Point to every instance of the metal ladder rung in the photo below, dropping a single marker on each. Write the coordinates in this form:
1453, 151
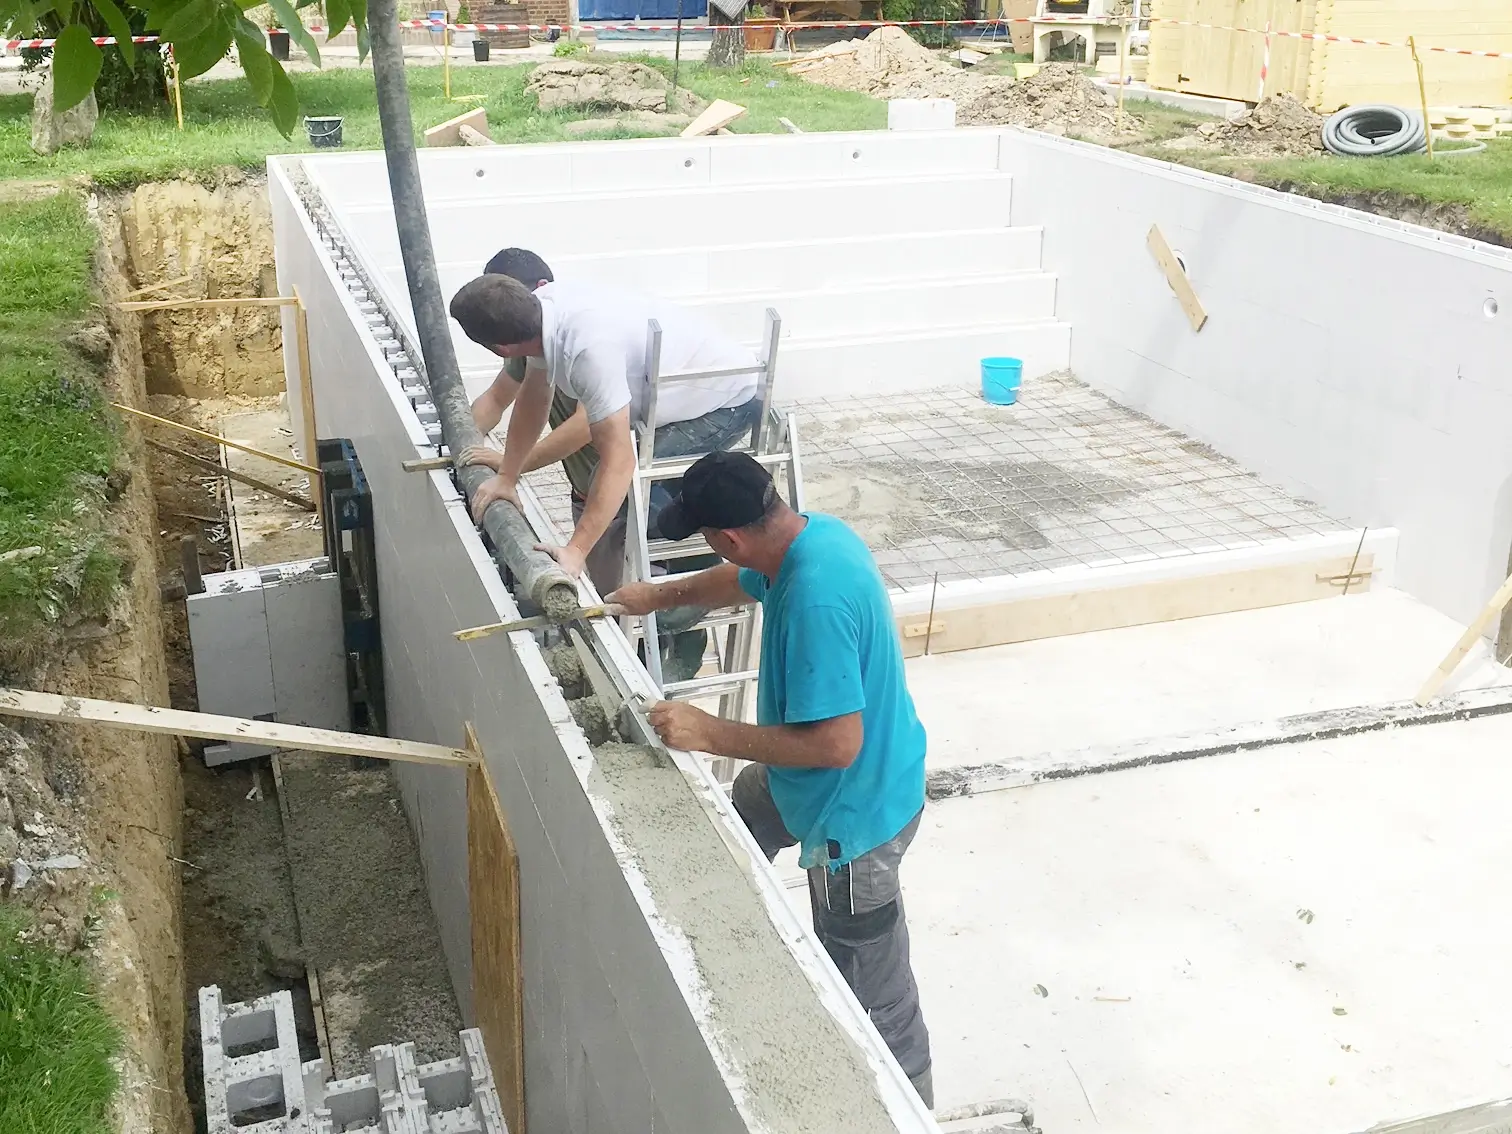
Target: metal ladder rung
681, 549
708, 375
744, 614
702, 686
671, 469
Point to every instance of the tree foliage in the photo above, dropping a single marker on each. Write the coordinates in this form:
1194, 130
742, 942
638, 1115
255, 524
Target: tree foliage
200, 32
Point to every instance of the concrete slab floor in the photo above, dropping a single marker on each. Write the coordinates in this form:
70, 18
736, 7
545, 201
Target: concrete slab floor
940, 481
1304, 937
1168, 679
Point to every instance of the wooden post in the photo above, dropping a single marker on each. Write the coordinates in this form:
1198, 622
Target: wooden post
493, 893
1422, 94
307, 402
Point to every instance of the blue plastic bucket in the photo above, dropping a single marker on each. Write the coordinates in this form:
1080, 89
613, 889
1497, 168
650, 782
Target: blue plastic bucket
436, 18
1000, 380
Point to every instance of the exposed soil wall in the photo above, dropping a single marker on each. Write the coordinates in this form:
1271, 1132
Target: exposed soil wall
110, 798
220, 236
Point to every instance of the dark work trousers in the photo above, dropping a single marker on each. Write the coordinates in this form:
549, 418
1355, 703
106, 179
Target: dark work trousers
858, 915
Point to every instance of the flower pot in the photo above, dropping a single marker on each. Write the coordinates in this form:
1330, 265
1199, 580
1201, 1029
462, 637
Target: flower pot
278, 44
761, 33
480, 50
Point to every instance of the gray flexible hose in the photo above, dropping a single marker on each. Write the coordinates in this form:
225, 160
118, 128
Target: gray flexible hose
1374, 130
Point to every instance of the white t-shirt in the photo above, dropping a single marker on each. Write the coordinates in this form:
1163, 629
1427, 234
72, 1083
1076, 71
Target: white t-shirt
595, 347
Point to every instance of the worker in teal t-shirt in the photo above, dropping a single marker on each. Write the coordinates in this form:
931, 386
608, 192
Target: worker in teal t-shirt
837, 751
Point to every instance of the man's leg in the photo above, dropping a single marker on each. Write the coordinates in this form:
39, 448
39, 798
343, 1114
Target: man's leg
858, 914
752, 797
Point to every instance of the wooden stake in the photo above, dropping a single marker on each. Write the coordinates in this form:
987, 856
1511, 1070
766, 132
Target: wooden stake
234, 474
217, 438
426, 464
210, 726
1422, 94
493, 891
1472, 634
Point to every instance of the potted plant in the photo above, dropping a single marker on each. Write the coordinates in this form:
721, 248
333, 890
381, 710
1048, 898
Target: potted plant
278, 42
760, 29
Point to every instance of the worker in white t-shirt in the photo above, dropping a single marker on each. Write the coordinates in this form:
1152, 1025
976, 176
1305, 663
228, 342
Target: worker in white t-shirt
593, 340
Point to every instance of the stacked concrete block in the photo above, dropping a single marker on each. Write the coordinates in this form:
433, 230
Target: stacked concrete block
255, 1083
253, 1078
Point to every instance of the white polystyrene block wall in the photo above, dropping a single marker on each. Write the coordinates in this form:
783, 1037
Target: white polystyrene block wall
1348, 358
921, 114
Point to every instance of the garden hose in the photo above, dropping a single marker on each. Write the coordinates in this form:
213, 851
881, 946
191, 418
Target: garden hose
1380, 130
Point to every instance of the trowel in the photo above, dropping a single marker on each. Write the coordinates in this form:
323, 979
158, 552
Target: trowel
625, 709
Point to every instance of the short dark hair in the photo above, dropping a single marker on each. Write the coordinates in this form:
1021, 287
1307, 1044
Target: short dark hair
519, 264
497, 311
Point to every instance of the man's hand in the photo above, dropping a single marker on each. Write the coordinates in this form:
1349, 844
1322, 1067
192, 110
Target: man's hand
569, 558
494, 488
636, 598
683, 726
481, 455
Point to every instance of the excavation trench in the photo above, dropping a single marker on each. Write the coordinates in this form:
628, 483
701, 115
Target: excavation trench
299, 871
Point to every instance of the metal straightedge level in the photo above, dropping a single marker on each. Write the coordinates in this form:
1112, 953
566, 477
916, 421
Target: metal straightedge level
255, 1083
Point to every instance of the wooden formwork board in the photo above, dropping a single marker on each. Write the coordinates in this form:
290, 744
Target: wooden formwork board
1137, 604
493, 894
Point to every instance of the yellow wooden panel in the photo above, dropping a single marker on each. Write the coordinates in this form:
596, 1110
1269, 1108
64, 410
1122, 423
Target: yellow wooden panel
1167, 42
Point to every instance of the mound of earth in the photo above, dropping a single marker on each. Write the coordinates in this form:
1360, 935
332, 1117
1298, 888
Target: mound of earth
575, 84
889, 64
1278, 126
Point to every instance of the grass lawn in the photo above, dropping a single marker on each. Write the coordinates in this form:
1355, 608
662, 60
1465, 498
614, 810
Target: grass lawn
56, 444
222, 127
56, 1042
1482, 182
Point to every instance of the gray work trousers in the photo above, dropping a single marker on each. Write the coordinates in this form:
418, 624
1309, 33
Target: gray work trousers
858, 915
682, 653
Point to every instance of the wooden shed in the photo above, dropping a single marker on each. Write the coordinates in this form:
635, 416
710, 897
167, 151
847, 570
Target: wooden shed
1325, 75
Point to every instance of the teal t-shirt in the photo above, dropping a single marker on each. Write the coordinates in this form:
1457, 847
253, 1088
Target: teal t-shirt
829, 647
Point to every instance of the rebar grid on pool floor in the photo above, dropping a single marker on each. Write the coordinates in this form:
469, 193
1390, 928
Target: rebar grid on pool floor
940, 481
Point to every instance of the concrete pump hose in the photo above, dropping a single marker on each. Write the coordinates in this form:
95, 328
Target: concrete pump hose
1374, 130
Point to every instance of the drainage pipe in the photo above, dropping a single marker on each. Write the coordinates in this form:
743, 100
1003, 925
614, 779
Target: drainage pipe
551, 588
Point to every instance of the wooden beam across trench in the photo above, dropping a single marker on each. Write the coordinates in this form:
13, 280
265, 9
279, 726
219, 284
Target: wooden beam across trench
493, 866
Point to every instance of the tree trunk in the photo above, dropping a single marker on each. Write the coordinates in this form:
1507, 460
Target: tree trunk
728, 46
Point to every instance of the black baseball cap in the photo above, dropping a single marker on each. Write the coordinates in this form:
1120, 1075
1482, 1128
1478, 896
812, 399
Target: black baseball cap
721, 490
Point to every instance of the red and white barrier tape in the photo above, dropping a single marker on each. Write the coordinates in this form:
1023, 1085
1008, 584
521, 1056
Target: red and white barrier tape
438, 25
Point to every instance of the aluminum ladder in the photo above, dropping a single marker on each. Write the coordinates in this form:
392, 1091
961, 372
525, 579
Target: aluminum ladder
774, 443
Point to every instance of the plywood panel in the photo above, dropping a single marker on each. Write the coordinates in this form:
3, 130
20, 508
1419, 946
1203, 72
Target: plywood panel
493, 885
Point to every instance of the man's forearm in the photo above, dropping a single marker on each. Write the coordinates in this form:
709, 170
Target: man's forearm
611, 485
563, 441
781, 746
525, 426
713, 588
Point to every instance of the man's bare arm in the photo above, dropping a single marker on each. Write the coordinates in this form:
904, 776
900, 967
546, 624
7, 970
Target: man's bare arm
532, 407
488, 409
611, 484
831, 743
563, 441
710, 589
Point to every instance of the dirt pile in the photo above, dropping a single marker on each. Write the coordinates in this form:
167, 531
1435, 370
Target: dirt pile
1278, 126
889, 64
576, 84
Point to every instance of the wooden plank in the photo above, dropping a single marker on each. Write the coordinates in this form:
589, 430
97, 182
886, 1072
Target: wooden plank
210, 726
493, 893
717, 114
449, 133
216, 438
307, 399
1473, 633
1110, 608
1176, 276
426, 464
234, 474
185, 304
150, 288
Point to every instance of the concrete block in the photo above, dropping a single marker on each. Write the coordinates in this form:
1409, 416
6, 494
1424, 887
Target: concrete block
233, 661
252, 1074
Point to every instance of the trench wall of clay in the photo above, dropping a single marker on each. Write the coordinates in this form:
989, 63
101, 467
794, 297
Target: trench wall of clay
629, 1026
1353, 360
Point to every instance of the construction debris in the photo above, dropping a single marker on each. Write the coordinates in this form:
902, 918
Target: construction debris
453, 132
1278, 126
573, 84
719, 115
888, 64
